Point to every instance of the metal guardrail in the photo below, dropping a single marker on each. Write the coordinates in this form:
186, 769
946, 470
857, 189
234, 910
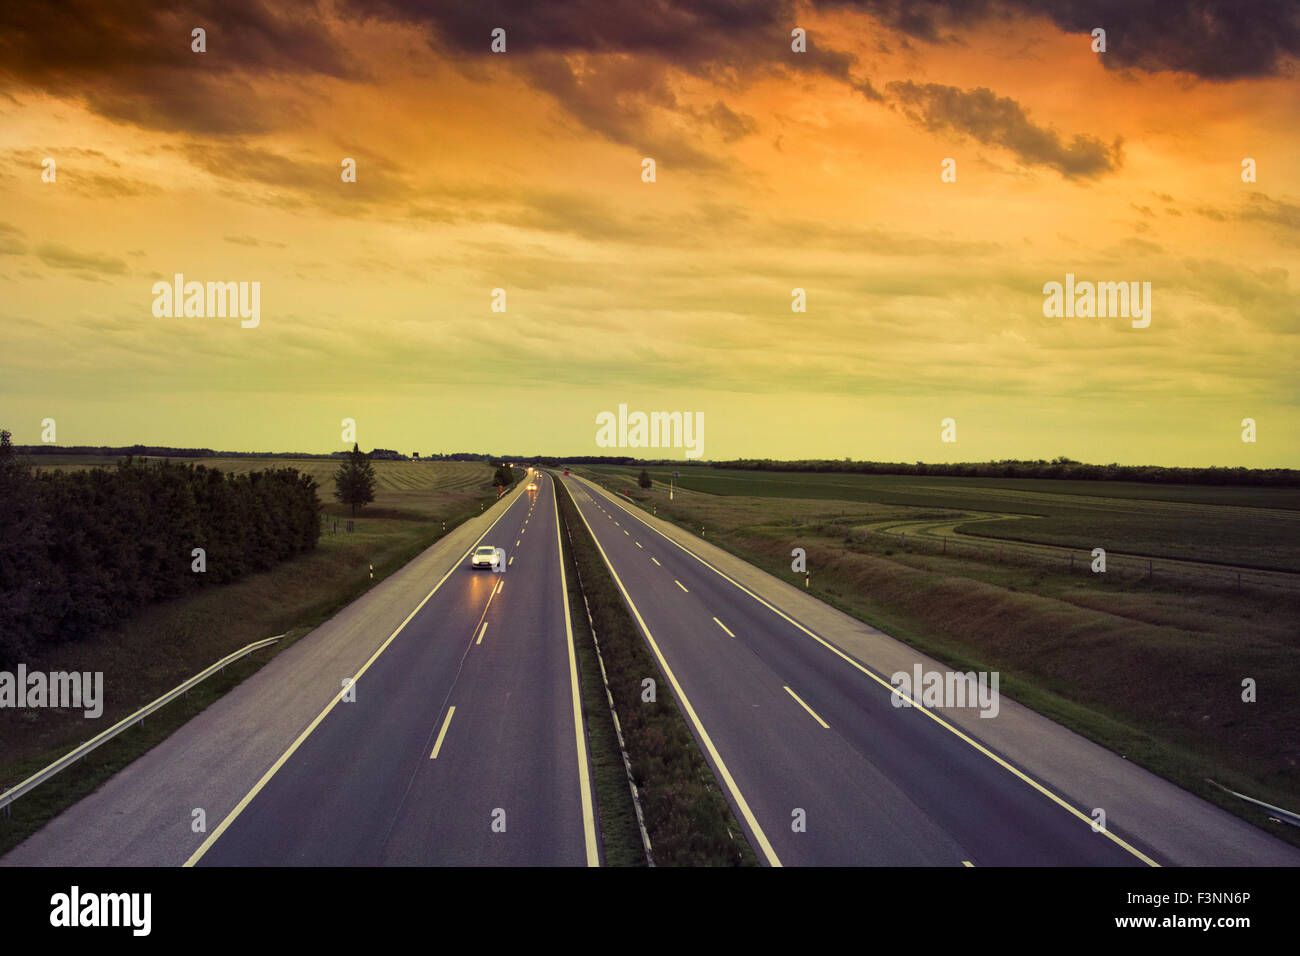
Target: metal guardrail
1282, 816
67, 760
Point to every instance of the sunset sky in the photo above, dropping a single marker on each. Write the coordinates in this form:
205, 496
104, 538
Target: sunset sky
775, 169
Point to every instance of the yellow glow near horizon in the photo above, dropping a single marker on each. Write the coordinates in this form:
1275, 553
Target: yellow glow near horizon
523, 172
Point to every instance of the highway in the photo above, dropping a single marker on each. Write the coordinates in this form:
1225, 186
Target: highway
819, 766
461, 745
460, 740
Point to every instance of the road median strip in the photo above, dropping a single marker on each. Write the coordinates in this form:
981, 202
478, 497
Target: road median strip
686, 817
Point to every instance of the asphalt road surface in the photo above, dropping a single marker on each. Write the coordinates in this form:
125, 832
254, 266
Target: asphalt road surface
460, 740
819, 765
460, 746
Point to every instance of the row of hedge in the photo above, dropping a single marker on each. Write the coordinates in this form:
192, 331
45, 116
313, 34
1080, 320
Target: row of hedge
81, 550
1064, 469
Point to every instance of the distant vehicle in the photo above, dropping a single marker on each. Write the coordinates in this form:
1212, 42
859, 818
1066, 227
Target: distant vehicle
566, 472
483, 557
531, 487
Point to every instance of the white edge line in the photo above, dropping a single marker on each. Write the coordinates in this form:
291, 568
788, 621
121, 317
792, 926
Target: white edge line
442, 733
894, 690
584, 781
334, 699
764, 846
815, 715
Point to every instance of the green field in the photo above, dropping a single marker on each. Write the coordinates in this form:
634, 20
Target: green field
1233, 526
1149, 667
402, 488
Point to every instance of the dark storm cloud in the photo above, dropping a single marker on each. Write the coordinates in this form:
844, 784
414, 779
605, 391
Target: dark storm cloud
705, 37
1211, 39
618, 103
132, 61
1001, 121
725, 42
686, 32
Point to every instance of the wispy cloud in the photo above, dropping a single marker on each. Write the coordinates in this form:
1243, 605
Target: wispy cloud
61, 257
1001, 121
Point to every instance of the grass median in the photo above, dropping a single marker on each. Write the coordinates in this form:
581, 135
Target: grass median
688, 819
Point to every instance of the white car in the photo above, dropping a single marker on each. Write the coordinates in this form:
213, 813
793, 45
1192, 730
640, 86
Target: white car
483, 557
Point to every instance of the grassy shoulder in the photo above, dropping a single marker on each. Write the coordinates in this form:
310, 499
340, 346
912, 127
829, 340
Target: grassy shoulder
1150, 670
166, 644
688, 819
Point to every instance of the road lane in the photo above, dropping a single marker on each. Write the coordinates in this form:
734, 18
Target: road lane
876, 785
363, 788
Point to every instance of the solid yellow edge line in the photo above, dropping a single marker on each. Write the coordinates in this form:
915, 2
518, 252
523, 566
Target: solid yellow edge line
584, 780
266, 777
764, 846
894, 690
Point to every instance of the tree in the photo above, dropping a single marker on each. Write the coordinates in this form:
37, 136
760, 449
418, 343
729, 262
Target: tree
504, 477
26, 576
354, 483
643, 479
